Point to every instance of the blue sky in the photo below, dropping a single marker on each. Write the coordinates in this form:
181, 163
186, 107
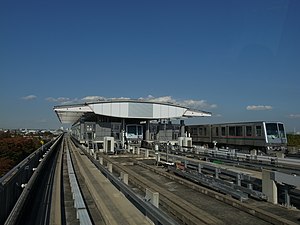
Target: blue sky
239, 60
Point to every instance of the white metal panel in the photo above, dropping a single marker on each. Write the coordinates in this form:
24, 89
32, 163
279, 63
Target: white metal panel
115, 109
191, 113
123, 109
107, 109
74, 109
156, 110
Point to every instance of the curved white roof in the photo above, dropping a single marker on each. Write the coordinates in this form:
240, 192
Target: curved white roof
126, 109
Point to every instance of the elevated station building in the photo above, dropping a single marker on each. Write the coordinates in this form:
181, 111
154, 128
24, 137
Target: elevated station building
125, 121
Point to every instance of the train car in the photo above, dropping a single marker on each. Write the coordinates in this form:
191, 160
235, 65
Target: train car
134, 132
265, 136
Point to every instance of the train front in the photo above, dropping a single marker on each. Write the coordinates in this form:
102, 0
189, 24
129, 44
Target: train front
275, 136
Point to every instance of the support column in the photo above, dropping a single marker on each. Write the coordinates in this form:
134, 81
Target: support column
217, 171
101, 160
109, 166
147, 134
199, 168
287, 197
125, 178
153, 197
123, 133
239, 179
182, 128
269, 187
146, 153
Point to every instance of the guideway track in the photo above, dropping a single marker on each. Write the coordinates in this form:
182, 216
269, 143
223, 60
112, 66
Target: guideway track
114, 207
249, 211
183, 210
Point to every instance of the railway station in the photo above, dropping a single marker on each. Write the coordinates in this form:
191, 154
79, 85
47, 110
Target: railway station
109, 125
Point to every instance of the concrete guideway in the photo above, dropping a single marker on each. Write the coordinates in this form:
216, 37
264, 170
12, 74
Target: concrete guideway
113, 206
55, 211
183, 210
273, 214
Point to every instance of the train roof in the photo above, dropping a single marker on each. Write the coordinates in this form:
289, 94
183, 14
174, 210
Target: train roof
235, 123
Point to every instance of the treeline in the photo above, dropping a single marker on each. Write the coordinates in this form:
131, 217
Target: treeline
15, 148
293, 140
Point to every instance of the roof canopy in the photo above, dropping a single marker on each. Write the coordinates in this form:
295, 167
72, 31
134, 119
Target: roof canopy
126, 109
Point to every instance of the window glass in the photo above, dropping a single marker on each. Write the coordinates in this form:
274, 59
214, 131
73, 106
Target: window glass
131, 129
239, 131
258, 131
248, 131
272, 130
217, 131
223, 131
139, 130
231, 131
201, 131
281, 131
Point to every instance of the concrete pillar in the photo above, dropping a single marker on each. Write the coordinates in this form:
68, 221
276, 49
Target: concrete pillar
101, 160
109, 166
147, 133
182, 128
287, 197
123, 133
138, 150
217, 171
250, 186
125, 178
269, 187
199, 168
280, 155
253, 152
239, 179
157, 156
146, 153
152, 197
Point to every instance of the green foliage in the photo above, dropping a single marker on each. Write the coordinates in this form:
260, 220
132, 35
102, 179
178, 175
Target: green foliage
293, 140
13, 149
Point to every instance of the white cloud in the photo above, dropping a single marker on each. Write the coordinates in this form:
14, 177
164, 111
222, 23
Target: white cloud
60, 99
93, 98
294, 116
195, 104
259, 107
29, 97
63, 100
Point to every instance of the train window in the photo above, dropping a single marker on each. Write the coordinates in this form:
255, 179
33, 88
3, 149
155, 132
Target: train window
258, 131
281, 131
194, 130
272, 129
200, 131
223, 131
205, 131
231, 131
139, 130
239, 131
217, 131
248, 131
131, 129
